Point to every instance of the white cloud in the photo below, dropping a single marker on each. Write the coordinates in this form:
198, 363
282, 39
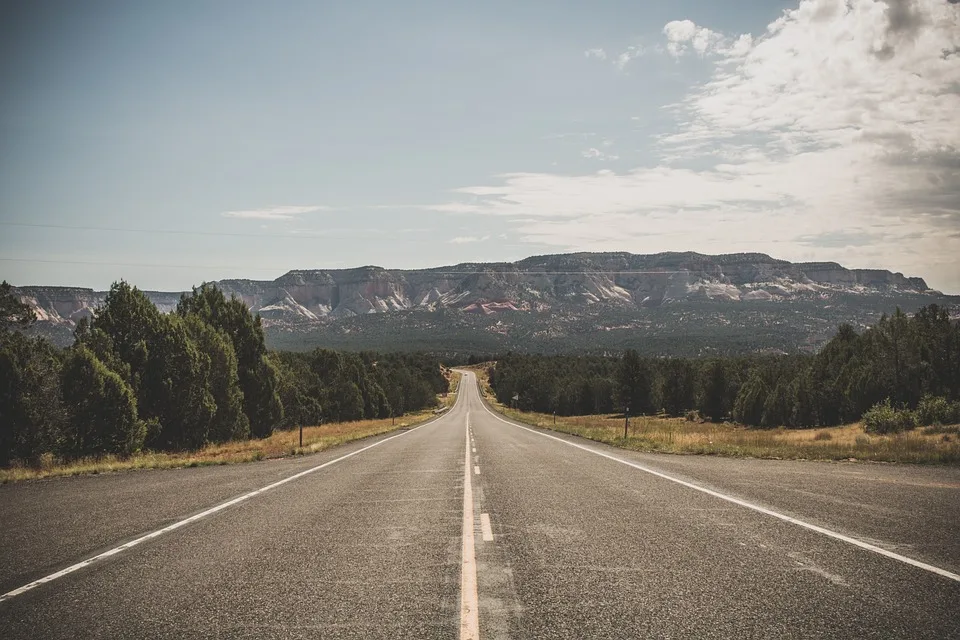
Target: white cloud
596, 154
621, 60
632, 52
274, 213
574, 134
833, 135
468, 239
682, 35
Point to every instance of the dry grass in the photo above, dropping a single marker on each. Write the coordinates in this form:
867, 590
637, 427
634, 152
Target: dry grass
453, 379
279, 445
677, 435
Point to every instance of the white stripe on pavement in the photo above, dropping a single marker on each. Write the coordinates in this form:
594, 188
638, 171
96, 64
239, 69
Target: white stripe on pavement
199, 516
469, 599
749, 505
485, 527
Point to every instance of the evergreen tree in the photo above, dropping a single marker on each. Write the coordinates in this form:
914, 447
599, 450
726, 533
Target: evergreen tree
229, 421
778, 406
715, 398
32, 414
634, 384
749, 405
128, 322
675, 386
258, 377
176, 390
103, 412
13, 312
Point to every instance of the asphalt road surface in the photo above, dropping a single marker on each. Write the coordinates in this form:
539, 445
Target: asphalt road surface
471, 526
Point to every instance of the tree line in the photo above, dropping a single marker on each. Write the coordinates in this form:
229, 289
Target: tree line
136, 378
902, 360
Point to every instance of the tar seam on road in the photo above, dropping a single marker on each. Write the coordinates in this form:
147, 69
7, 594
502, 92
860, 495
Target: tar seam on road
749, 505
469, 599
198, 516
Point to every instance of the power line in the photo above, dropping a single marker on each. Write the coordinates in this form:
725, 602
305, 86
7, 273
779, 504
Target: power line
428, 271
135, 264
182, 232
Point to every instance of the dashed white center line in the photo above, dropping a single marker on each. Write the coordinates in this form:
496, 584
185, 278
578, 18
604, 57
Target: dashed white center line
485, 527
476, 469
469, 600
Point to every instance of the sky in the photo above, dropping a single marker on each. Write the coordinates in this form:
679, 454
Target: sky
171, 143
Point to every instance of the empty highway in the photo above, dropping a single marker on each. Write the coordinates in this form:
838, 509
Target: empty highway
471, 526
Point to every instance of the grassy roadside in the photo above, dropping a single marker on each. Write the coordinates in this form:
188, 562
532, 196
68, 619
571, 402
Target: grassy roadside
676, 435
281, 444
450, 398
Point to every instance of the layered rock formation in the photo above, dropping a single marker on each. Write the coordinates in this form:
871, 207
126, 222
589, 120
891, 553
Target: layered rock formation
534, 284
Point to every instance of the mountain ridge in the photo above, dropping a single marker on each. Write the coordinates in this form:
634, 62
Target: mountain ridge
546, 288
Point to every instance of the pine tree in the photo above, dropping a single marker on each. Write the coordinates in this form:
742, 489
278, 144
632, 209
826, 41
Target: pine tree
634, 384
715, 399
103, 412
229, 421
257, 376
749, 405
13, 312
175, 388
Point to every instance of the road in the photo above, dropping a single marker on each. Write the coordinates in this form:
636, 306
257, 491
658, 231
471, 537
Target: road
471, 526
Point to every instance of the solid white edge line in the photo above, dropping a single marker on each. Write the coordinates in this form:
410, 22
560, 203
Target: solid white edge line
198, 516
469, 598
485, 527
749, 505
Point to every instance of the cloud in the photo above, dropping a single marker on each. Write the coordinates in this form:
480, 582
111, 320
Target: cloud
467, 239
621, 60
684, 35
632, 52
573, 134
832, 135
596, 154
274, 213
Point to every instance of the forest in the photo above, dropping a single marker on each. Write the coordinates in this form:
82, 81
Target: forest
903, 371
137, 379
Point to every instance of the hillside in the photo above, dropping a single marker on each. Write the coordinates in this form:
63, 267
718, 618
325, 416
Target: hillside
667, 303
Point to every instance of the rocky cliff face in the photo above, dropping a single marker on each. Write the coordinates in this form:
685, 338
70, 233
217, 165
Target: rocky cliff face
306, 298
66, 306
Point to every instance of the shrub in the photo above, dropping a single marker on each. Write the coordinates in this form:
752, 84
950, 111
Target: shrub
885, 418
936, 410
